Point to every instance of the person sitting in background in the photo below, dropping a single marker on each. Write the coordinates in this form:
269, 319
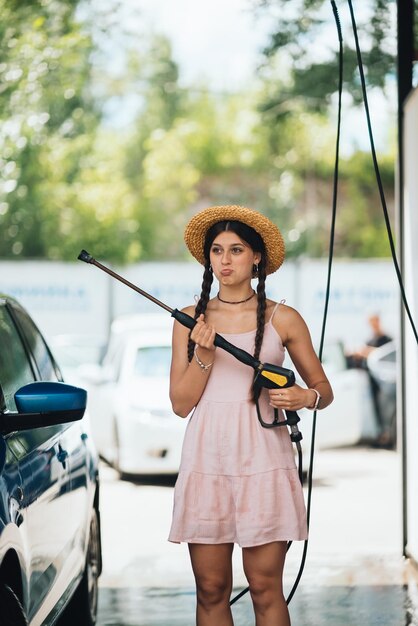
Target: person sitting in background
359, 359
377, 339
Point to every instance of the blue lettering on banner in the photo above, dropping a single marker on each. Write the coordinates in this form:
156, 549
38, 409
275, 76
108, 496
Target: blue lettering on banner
56, 297
356, 299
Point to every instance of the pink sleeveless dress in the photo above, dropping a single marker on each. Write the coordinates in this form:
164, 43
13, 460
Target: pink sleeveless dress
238, 481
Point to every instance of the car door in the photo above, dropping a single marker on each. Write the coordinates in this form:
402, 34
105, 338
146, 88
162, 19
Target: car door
56, 504
15, 371
42, 472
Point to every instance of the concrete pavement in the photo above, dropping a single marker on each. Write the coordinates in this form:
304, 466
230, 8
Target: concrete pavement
354, 572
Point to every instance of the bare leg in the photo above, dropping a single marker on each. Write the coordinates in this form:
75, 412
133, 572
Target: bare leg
212, 568
263, 566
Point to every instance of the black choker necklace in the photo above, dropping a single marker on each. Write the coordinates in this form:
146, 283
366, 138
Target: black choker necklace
239, 301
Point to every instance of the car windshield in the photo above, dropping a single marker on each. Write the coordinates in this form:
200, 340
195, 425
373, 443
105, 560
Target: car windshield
75, 355
153, 361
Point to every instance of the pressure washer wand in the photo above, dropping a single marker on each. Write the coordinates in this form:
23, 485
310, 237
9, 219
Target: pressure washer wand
87, 258
181, 317
266, 374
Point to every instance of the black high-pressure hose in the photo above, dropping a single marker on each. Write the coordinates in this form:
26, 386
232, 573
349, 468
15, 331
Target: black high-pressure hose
332, 236
327, 290
378, 177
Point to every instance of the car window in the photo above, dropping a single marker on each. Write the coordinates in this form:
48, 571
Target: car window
333, 358
153, 361
34, 437
47, 368
112, 361
390, 357
15, 368
73, 352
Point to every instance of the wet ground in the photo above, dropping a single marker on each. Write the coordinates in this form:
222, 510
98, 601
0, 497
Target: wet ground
312, 605
354, 574
348, 606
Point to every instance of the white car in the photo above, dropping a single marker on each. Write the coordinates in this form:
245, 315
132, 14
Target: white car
350, 419
133, 424
73, 350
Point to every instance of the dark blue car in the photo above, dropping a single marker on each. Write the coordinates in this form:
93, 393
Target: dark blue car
50, 551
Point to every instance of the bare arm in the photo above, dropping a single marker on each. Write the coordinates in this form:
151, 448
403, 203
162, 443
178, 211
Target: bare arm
188, 380
296, 337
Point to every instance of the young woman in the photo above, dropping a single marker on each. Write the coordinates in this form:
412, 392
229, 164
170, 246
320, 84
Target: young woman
238, 481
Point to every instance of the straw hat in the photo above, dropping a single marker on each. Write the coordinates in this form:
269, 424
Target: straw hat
198, 226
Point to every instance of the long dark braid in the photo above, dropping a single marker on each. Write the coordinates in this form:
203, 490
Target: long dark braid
261, 305
202, 303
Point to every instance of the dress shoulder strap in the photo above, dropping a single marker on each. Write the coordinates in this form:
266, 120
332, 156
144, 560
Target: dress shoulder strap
275, 309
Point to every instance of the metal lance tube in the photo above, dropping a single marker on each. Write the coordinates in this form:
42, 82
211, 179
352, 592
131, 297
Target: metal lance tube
87, 258
181, 317
267, 375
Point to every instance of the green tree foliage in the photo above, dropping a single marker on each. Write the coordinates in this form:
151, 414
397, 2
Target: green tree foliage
296, 82
61, 182
156, 164
301, 28
416, 28
44, 101
94, 209
362, 230
212, 153
123, 184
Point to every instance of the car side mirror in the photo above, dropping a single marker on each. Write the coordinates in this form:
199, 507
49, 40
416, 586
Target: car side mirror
44, 404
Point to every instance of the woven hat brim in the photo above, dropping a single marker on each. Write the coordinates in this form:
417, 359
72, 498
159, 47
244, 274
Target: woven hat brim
199, 224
